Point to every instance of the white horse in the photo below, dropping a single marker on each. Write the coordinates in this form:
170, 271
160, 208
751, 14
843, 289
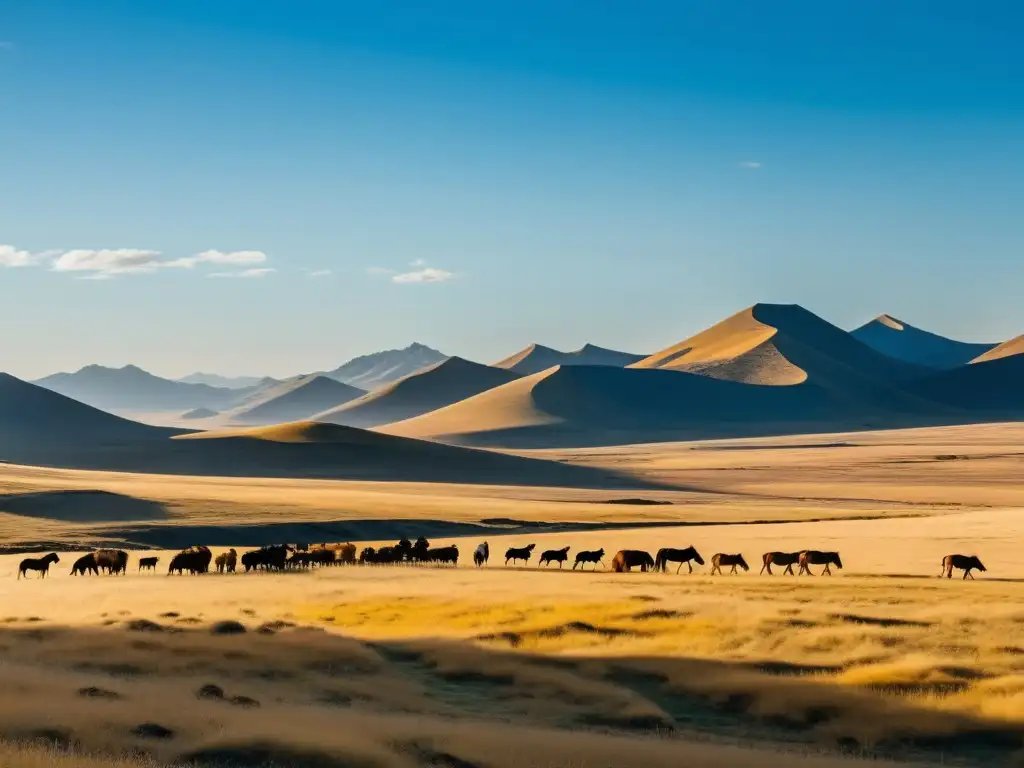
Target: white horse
481, 555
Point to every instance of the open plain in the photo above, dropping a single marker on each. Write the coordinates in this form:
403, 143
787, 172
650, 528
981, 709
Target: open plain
528, 666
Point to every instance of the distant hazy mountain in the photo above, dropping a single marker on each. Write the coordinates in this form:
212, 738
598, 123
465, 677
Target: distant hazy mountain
133, 389
294, 400
903, 341
225, 382
371, 371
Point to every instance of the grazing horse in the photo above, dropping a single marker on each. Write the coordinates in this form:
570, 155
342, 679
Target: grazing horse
481, 555
41, 564
595, 556
814, 557
148, 563
444, 555
555, 556
112, 561
85, 564
677, 556
720, 559
788, 559
522, 553
631, 558
966, 563
226, 561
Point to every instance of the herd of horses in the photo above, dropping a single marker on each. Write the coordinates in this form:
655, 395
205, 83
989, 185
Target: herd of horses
283, 557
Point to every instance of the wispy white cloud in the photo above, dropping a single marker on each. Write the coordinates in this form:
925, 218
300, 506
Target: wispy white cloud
14, 257
235, 258
250, 273
318, 272
420, 274
104, 263
752, 165
108, 262
425, 275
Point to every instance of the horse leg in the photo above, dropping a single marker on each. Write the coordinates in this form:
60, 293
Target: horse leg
689, 565
789, 570
826, 571
680, 566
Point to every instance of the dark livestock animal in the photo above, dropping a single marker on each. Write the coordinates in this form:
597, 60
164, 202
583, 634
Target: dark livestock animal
814, 557
445, 555
666, 555
420, 549
271, 558
625, 559
194, 560
788, 559
41, 564
966, 563
720, 559
481, 554
85, 564
226, 562
148, 563
521, 553
555, 556
595, 556
112, 561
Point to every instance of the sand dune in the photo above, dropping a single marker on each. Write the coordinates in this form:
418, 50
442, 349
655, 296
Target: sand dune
1014, 346
993, 385
435, 387
536, 358
779, 345
903, 341
594, 405
292, 400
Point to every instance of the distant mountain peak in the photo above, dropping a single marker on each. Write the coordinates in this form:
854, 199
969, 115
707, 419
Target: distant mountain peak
379, 368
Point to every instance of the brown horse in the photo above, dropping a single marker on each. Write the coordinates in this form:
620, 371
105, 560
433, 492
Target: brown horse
555, 556
814, 557
720, 559
226, 561
788, 559
148, 563
965, 563
625, 559
113, 561
680, 556
521, 553
41, 564
85, 564
582, 558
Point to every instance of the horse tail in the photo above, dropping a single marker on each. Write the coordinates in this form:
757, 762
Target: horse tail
659, 561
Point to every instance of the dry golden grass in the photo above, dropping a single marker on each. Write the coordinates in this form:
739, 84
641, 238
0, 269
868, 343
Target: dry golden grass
520, 667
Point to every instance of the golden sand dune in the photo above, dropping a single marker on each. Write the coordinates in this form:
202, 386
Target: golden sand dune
291, 400
903, 341
435, 387
776, 344
594, 405
536, 358
1014, 346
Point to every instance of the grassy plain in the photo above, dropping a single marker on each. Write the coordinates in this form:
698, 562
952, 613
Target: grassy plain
520, 667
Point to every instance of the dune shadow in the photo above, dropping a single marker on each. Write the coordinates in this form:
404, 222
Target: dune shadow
82, 506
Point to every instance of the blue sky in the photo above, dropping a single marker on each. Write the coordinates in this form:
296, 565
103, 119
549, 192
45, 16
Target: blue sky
273, 186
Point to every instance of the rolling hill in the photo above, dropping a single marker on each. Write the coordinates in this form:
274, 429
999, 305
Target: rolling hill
36, 422
435, 387
293, 400
992, 388
371, 371
132, 389
903, 341
536, 358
